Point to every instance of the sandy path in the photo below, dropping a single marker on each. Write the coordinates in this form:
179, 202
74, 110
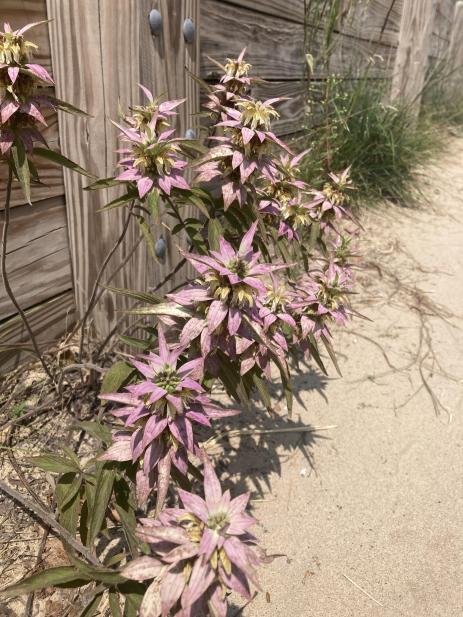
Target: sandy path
382, 502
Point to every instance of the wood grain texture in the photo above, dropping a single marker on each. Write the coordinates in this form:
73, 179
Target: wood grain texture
108, 48
38, 261
49, 321
377, 20
276, 47
455, 51
413, 50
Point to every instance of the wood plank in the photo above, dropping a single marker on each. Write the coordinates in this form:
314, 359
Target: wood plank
413, 51
377, 20
49, 321
38, 260
276, 47
108, 48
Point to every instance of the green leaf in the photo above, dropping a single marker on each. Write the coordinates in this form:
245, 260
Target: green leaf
133, 593
59, 159
102, 575
54, 463
134, 342
114, 604
262, 389
214, 231
141, 296
146, 231
71, 109
120, 201
67, 488
92, 607
103, 183
331, 353
68, 501
49, 578
103, 492
97, 430
21, 169
163, 309
199, 203
116, 377
125, 507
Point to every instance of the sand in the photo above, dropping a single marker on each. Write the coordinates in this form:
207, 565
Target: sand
371, 523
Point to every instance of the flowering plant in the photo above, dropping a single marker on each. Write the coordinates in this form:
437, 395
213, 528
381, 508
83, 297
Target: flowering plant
273, 273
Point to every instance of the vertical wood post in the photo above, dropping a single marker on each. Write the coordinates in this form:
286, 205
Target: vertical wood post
412, 52
455, 52
100, 51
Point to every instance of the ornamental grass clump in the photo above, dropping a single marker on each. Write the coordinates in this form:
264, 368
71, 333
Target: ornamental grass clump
272, 259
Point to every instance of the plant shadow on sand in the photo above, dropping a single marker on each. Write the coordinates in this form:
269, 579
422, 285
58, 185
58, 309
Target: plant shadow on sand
253, 445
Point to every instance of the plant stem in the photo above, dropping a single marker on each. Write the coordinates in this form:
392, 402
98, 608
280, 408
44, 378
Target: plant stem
6, 282
97, 282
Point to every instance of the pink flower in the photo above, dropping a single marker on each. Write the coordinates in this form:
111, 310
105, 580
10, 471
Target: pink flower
198, 553
158, 414
152, 160
21, 103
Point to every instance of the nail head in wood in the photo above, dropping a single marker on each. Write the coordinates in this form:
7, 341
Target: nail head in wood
190, 134
155, 19
160, 248
189, 30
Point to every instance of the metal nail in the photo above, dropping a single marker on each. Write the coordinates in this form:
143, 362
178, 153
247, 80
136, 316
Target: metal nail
189, 30
160, 248
155, 19
190, 134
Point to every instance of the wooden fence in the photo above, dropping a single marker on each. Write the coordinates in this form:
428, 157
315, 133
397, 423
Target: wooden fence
98, 52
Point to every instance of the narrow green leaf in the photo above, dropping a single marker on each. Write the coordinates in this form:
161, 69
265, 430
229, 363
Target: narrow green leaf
97, 430
49, 578
199, 203
133, 593
125, 507
140, 296
262, 389
146, 231
92, 607
114, 604
67, 488
71, 109
116, 376
59, 159
138, 343
331, 353
54, 463
120, 201
103, 491
103, 183
163, 309
214, 231
21, 169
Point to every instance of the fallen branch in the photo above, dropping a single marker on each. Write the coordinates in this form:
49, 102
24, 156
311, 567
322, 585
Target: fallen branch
48, 520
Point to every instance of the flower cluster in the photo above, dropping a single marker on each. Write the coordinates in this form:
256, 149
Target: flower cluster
152, 158
158, 415
269, 284
199, 553
22, 103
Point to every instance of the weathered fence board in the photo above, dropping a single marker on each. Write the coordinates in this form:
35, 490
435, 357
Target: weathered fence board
38, 261
413, 51
49, 321
109, 48
276, 48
